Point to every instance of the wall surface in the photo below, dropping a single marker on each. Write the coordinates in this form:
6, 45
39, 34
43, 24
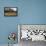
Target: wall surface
29, 12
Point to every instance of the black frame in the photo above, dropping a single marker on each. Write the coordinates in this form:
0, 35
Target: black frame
15, 11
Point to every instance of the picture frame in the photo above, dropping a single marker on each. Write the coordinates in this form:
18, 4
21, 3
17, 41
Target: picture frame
10, 11
37, 29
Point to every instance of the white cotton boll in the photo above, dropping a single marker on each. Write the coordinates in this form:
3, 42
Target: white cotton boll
24, 33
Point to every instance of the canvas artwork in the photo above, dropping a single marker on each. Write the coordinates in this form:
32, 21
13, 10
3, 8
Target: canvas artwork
32, 32
10, 11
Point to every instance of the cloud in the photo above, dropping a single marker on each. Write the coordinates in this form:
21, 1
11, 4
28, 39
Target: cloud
15, 9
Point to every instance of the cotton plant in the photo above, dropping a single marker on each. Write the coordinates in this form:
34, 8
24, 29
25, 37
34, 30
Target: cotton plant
12, 37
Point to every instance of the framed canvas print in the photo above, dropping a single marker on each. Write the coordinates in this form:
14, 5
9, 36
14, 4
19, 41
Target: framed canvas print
32, 32
10, 11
